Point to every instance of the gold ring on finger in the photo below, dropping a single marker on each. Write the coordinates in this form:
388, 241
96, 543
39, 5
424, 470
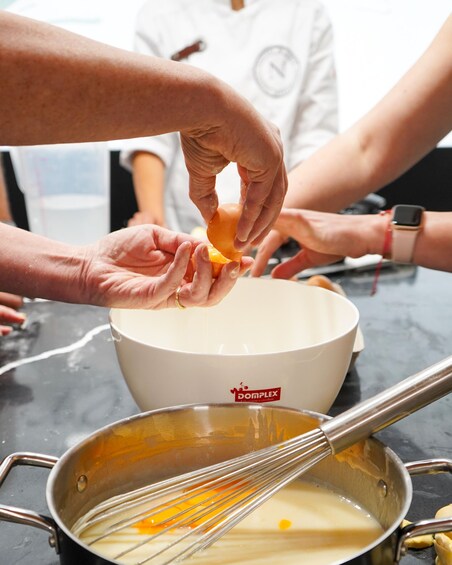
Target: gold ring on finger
178, 302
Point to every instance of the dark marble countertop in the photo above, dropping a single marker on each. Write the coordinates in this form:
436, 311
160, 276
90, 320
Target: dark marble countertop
60, 381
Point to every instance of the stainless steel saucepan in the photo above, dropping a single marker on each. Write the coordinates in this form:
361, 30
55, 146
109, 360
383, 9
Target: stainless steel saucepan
136, 451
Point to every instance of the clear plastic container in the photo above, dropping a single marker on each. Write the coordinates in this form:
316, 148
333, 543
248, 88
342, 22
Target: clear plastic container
66, 189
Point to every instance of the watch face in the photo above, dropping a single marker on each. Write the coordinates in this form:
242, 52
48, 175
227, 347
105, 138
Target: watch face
405, 215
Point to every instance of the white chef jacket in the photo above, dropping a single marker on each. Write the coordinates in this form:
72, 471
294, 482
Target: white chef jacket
277, 53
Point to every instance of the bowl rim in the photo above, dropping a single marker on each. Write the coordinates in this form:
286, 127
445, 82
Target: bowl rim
118, 334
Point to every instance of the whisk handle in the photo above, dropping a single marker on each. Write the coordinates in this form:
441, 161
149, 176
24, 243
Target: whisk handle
389, 406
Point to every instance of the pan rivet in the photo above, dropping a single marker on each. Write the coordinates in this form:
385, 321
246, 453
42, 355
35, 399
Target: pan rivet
382, 488
82, 483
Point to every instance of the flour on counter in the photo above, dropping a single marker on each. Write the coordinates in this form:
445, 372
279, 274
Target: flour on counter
59, 351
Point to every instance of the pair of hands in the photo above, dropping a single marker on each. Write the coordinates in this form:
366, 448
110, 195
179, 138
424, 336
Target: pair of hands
255, 145
148, 266
257, 149
324, 238
144, 266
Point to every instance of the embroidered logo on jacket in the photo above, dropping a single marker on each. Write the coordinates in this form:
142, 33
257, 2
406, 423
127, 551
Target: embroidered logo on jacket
276, 70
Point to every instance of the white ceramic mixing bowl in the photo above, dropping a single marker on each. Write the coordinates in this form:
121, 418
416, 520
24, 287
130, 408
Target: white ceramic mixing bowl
268, 341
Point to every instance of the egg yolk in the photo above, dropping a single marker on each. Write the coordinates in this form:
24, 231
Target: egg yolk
284, 524
217, 260
222, 229
195, 508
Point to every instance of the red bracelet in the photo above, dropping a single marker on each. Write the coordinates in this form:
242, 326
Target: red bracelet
386, 248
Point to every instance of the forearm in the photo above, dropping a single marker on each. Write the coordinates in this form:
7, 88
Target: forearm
151, 95
408, 122
434, 243
326, 181
361, 160
60, 87
34, 266
148, 180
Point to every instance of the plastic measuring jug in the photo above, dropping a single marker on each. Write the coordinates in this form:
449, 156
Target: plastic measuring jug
66, 189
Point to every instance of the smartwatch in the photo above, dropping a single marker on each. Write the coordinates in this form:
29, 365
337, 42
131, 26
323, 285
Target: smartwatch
405, 225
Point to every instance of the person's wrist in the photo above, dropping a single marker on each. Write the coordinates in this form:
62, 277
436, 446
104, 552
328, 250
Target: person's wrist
65, 274
83, 274
423, 245
210, 106
380, 233
383, 238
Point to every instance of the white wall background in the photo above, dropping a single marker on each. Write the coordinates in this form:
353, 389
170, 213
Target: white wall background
376, 40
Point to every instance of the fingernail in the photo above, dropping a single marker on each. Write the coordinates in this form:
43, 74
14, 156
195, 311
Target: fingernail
235, 272
205, 254
239, 244
22, 324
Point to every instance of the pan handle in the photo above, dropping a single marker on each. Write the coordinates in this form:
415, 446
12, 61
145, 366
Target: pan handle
424, 527
21, 515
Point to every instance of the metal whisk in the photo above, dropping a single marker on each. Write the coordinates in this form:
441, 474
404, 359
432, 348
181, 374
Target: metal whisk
190, 512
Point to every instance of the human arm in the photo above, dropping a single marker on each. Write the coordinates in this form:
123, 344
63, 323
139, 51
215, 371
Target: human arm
408, 122
61, 87
387, 141
140, 267
327, 238
147, 158
148, 180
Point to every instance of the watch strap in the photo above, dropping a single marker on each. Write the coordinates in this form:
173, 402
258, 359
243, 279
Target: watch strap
403, 243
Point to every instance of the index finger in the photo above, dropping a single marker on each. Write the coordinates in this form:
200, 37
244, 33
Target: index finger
263, 201
271, 243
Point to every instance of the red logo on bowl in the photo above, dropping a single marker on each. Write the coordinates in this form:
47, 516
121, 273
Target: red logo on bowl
244, 394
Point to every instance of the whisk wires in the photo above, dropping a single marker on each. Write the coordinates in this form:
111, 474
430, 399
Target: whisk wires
192, 511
